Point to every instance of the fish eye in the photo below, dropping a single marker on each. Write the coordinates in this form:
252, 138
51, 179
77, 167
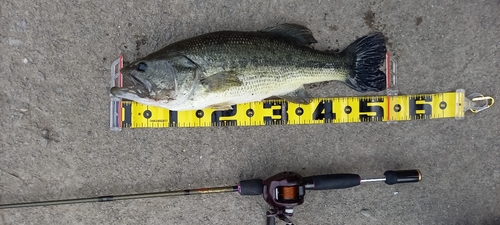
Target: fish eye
142, 66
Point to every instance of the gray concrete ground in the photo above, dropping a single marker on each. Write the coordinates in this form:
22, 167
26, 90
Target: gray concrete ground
55, 142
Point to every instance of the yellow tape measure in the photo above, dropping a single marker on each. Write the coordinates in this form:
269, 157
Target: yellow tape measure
388, 108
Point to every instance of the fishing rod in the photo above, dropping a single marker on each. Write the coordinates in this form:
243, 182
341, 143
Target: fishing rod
282, 191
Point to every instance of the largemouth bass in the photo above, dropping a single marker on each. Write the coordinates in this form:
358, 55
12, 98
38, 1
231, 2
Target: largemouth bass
220, 69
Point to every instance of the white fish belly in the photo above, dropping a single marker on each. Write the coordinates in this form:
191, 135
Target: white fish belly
256, 87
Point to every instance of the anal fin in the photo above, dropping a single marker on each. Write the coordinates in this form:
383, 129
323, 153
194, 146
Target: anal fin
221, 106
298, 96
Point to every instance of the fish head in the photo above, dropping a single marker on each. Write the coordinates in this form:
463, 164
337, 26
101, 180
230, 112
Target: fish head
147, 81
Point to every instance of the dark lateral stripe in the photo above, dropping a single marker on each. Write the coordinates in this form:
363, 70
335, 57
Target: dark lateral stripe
187, 192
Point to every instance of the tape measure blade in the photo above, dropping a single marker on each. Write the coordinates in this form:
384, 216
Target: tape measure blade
320, 110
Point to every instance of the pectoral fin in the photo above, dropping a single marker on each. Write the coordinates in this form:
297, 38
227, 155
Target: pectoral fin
221, 81
298, 96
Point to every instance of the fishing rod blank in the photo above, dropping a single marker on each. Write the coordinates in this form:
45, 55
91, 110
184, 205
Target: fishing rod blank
124, 197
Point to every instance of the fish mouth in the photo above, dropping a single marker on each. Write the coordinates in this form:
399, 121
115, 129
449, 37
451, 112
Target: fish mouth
140, 84
130, 94
125, 93
134, 88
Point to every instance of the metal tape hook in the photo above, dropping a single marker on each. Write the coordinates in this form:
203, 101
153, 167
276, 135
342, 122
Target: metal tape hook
475, 99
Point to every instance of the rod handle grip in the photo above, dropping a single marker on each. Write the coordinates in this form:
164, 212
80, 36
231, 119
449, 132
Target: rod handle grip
251, 187
334, 181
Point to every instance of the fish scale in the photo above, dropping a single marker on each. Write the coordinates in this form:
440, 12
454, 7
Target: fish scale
245, 53
219, 69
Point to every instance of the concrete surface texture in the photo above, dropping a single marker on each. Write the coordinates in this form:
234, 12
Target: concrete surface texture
55, 142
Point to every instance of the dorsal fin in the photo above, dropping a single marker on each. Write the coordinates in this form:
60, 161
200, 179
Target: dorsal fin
301, 35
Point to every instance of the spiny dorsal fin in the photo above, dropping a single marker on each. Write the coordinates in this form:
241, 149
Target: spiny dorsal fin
301, 35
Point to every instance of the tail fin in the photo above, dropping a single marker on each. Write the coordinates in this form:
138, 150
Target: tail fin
366, 55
